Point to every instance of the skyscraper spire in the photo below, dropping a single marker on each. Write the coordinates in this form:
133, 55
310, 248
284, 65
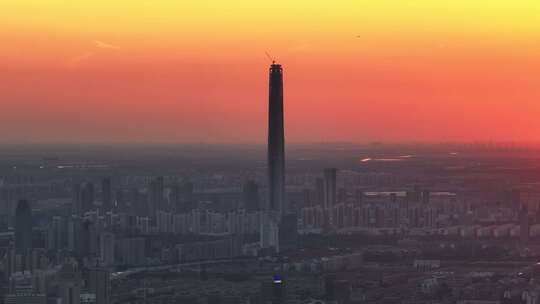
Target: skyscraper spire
271, 218
276, 141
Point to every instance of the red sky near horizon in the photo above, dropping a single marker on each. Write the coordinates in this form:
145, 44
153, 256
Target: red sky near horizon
169, 71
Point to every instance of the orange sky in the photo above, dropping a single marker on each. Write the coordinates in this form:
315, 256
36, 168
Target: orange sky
195, 71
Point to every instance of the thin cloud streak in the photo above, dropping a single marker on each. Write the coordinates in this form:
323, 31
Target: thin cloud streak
104, 45
76, 61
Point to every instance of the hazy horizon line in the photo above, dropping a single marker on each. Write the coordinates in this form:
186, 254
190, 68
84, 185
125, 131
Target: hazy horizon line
515, 143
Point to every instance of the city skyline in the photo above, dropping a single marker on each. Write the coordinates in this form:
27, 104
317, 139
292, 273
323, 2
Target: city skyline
269, 152
357, 71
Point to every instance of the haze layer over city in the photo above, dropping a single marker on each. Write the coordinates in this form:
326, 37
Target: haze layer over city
280, 152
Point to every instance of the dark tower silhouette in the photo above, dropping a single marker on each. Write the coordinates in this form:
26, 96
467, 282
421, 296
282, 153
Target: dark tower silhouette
276, 141
330, 194
106, 191
330, 191
23, 227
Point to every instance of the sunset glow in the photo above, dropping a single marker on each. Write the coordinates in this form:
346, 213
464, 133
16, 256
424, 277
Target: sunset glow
196, 71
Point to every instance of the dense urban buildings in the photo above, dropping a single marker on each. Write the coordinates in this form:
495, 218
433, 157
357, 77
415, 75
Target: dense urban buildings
411, 229
156, 152
336, 223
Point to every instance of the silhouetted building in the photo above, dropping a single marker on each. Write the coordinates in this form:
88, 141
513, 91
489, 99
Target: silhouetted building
276, 208
69, 284
86, 238
186, 197
23, 227
330, 194
57, 233
99, 283
276, 141
250, 196
269, 232
107, 248
106, 191
87, 197
174, 198
329, 187
288, 232
76, 202
138, 204
182, 197
524, 225
120, 201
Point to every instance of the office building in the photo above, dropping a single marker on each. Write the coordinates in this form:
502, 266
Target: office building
23, 227
99, 285
276, 141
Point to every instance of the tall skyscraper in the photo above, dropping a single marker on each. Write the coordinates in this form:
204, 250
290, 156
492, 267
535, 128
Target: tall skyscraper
329, 187
330, 194
276, 141
174, 198
57, 233
23, 227
106, 191
276, 208
76, 202
106, 247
